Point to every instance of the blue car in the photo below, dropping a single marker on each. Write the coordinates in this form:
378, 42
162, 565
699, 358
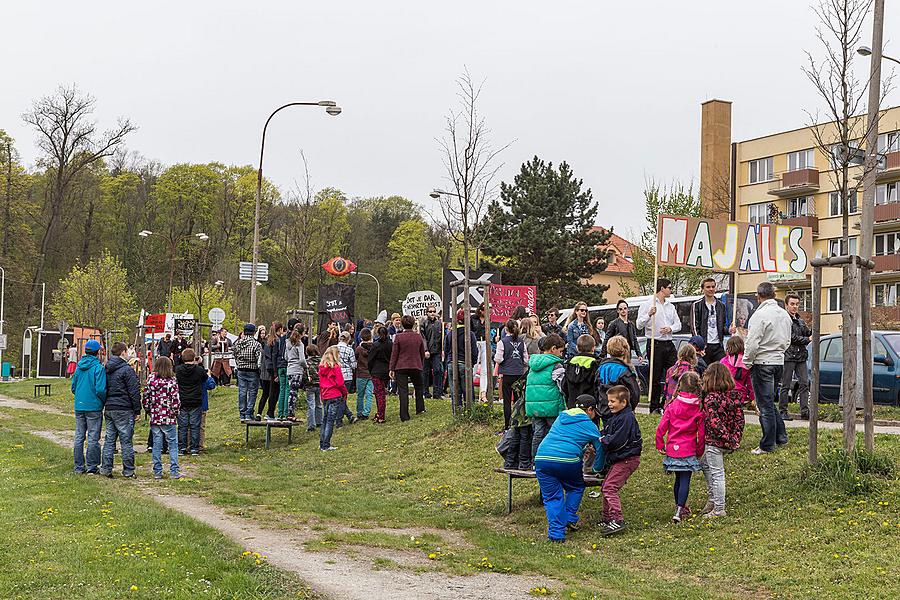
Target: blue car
885, 376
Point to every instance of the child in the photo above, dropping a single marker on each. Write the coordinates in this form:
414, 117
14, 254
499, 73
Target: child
544, 398
621, 439
680, 436
334, 394
314, 410
616, 371
511, 358
557, 465
378, 364
162, 402
734, 362
204, 406
687, 361
364, 383
191, 379
294, 352
520, 433
699, 345
347, 362
581, 370
724, 426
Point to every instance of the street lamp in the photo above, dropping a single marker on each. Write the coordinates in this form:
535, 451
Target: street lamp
377, 290
866, 51
436, 193
332, 109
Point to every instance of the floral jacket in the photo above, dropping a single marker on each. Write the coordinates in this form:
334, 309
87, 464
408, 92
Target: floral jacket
161, 400
724, 418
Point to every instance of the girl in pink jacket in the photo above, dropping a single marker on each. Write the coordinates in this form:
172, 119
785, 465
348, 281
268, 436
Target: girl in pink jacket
680, 436
334, 394
734, 361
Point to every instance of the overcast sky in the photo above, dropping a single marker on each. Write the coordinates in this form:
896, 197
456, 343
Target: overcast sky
612, 88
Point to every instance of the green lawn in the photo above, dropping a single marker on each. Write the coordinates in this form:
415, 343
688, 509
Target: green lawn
780, 539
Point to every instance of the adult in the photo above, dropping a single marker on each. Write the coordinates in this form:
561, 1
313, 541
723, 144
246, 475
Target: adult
219, 346
457, 391
379, 360
432, 333
659, 337
246, 357
477, 324
551, 326
532, 335
621, 326
708, 321
122, 408
511, 359
328, 338
600, 332
519, 313
164, 346
295, 354
577, 325
179, 345
795, 360
89, 388
768, 337
280, 361
407, 358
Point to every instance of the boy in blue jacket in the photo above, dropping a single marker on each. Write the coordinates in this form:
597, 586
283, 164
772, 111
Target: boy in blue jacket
89, 387
621, 439
558, 465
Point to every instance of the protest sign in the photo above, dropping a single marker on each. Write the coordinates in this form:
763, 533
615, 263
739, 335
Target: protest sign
505, 298
417, 303
336, 304
476, 278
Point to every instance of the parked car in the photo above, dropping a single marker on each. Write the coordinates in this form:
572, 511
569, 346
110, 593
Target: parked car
885, 376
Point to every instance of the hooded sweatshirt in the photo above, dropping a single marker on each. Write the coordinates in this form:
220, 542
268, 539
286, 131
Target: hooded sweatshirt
581, 377
682, 425
621, 436
191, 380
89, 384
610, 373
571, 432
123, 391
741, 375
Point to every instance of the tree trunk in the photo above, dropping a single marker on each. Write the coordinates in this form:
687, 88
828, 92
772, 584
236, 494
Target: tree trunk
8, 208
850, 301
88, 228
47, 239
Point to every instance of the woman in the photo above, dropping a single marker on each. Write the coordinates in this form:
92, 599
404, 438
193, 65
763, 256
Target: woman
477, 324
271, 347
576, 326
379, 360
511, 358
295, 353
520, 313
407, 359
532, 335
600, 332
622, 326
265, 369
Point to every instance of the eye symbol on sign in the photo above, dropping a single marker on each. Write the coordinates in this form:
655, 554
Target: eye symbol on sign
339, 266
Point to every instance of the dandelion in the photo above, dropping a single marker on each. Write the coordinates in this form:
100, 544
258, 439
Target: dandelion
432, 556
134, 588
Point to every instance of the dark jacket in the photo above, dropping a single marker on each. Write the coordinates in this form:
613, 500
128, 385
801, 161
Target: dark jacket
548, 329
362, 360
610, 373
408, 351
800, 334
432, 333
266, 366
581, 377
478, 328
460, 346
191, 379
700, 319
179, 346
278, 358
621, 436
164, 348
627, 330
123, 391
379, 358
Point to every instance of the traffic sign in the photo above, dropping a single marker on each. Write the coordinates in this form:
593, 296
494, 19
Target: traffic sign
246, 271
217, 315
2, 341
63, 327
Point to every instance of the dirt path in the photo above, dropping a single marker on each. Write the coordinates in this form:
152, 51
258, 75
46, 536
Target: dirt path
7, 402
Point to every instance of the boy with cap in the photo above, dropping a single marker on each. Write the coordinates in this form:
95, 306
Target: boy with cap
89, 388
246, 352
699, 345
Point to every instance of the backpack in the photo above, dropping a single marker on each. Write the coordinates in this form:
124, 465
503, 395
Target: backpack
580, 380
627, 378
672, 376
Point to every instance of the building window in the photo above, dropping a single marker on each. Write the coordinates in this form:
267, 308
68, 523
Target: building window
886, 194
889, 142
834, 204
800, 207
885, 294
887, 243
857, 155
804, 159
758, 213
834, 299
805, 299
836, 247
762, 170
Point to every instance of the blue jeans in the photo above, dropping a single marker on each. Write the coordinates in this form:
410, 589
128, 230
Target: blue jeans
334, 409
364, 387
189, 418
542, 427
248, 387
562, 486
314, 409
434, 374
765, 378
158, 432
119, 424
87, 424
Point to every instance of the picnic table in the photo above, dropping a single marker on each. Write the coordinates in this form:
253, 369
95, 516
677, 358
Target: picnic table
269, 425
589, 481
44, 387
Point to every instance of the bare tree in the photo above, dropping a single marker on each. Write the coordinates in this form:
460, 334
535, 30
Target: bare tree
70, 143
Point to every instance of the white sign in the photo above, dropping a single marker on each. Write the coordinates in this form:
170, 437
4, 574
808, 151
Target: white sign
216, 315
2, 341
778, 277
246, 271
417, 303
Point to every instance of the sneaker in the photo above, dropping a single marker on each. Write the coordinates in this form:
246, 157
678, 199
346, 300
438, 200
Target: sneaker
271, 419
708, 508
714, 513
129, 476
328, 449
259, 417
603, 523
613, 527
786, 417
686, 512
105, 474
352, 419
157, 476
781, 444
594, 494
572, 526
757, 451
676, 518
195, 452
177, 475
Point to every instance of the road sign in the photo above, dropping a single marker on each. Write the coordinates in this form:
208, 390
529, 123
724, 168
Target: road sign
246, 271
217, 315
2, 341
63, 327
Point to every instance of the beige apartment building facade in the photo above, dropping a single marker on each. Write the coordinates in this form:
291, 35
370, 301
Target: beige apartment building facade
784, 177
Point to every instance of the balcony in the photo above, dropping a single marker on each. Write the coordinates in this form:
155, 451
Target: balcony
811, 221
887, 263
887, 212
795, 183
891, 169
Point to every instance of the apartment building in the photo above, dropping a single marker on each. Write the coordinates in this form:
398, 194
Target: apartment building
785, 178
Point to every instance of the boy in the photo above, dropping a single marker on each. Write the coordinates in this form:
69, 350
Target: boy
621, 440
122, 408
89, 388
191, 381
699, 345
520, 435
614, 371
581, 370
544, 398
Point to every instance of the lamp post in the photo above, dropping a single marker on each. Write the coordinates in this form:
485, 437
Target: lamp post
332, 109
377, 291
2, 300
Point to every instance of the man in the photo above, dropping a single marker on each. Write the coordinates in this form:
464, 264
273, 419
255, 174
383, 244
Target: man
178, 346
164, 346
708, 321
221, 366
659, 332
122, 408
457, 393
769, 335
89, 388
621, 326
433, 332
246, 357
551, 326
795, 360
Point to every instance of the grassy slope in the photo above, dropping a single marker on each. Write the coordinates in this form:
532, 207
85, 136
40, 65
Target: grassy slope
779, 539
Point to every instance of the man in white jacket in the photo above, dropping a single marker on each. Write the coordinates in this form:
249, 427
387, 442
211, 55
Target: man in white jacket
768, 337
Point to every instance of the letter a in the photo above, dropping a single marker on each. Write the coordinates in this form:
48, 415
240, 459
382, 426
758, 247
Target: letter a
750, 255
726, 257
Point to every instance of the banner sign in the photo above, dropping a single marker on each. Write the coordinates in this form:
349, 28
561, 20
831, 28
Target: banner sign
733, 246
184, 327
417, 303
475, 296
155, 323
336, 304
504, 299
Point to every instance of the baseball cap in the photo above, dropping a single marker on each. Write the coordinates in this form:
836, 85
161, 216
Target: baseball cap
697, 342
92, 347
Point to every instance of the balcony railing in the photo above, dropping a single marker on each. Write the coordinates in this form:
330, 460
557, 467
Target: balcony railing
795, 183
887, 212
803, 221
891, 168
887, 263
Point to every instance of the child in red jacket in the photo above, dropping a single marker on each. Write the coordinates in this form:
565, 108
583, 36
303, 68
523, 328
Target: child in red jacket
734, 362
333, 392
724, 426
680, 436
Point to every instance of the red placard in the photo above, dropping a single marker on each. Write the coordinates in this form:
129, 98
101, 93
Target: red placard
505, 298
157, 322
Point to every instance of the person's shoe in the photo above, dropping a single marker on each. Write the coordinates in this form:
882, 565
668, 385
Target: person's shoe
149, 449
686, 512
785, 416
613, 527
271, 419
421, 412
757, 451
308, 429
129, 476
676, 518
244, 421
93, 472
177, 475
708, 507
352, 419
362, 417
557, 541
328, 449
572, 526
714, 513
781, 444
656, 411
105, 474
195, 452
594, 494
259, 417
157, 476
603, 523
804, 414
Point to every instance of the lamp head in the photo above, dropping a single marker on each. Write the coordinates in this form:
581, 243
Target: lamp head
333, 110
864, 50
327, 103
435, 194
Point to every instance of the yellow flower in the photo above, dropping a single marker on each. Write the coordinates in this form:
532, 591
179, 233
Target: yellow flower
134, 588
432, 556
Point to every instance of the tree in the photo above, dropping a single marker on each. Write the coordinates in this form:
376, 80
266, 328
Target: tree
542, 229
199, 298
413, 263
96, 295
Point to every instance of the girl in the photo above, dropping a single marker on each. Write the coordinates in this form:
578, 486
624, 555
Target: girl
734, 362
680, 436
161, 400
687, 361
314, 410
531, 334
265, 370
511, 358
378, 361
364, 385
724, 426
334, 394
296, 367
600, 333
577, 325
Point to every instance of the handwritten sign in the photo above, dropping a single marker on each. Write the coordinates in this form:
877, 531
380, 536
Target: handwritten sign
336, 304
733, 246
504, 300
417, 303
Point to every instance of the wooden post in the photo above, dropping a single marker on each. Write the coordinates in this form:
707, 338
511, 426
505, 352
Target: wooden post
649, 334
814, 376
467, 345
454, 365
850, 306
865, 304
488, 359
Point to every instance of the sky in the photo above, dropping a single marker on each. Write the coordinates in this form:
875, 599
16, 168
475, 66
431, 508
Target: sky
614, 89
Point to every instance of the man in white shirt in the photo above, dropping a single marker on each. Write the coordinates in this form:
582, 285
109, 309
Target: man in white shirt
708, 321
769, 335
659, 337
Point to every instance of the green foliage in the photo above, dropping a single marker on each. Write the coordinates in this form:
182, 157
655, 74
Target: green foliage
849, 474
96, 295
198, 299
413, 263
542, 232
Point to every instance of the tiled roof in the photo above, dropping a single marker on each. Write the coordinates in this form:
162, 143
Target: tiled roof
622, 250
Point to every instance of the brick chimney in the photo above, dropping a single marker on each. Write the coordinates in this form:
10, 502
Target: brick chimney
715, 158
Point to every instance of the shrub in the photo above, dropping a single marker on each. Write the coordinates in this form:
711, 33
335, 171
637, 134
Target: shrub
858, 473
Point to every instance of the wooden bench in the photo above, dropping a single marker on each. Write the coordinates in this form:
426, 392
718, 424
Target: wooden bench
41, 386
589, 481
289, 425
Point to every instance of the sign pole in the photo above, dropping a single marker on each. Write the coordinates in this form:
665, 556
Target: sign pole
653, 318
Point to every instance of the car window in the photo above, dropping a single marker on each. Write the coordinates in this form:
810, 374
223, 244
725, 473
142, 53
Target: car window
893, 340
878, 347
835, 351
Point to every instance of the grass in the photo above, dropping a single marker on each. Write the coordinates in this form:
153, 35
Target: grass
833, 413
782, 537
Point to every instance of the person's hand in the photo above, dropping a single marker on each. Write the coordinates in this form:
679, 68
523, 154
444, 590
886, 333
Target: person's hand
665, 330
427, 354
391, 375
732, 329
663, 452
652, 311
